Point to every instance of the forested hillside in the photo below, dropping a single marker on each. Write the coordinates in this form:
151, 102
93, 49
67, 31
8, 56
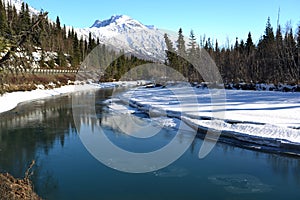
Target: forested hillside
51, 44
29, 42
276, 57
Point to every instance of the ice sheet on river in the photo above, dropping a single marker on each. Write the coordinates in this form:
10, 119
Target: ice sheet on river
259, 117
240, 183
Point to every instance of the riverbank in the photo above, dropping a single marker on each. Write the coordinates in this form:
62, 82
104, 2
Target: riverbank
9, 101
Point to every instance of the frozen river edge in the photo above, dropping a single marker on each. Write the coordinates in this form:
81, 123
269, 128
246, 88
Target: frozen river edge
260, 120
262, 124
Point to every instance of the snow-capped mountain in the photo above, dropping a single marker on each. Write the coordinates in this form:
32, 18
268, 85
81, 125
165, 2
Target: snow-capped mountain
123, 32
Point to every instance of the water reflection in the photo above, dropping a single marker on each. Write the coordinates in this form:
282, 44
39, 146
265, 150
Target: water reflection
31, 128
285, 166
96, 139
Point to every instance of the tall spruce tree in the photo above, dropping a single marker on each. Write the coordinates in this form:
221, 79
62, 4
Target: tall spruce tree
279, 68
298, 47
58, 26
3, 21
181, 43
192, 45
269, 33
169, 51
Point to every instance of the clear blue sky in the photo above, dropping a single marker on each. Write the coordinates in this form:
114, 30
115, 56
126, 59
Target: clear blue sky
216, 19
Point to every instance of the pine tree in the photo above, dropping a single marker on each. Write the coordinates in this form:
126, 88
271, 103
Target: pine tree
242, 47
76, 52
169, 43
192, 45
61, 59
298, 36
291, 54
13, 19
24, 18
181, 43
279, 69
266, 54
171, 56
269, 34
249, 44
3, 21
92, 43
58, 27
298, 47
236, 45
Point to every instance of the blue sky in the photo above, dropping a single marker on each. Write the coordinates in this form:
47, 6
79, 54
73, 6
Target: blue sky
216, 19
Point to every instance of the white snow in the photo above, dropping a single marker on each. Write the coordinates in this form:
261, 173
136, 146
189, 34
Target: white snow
257, 116
18, 6
8, 101
130, 35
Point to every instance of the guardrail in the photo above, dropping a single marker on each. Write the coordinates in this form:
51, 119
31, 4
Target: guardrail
53, 71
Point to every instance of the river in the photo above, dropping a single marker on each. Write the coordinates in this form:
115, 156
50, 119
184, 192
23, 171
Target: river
44, 131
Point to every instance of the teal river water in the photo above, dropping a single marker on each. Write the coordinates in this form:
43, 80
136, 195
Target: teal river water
44, 131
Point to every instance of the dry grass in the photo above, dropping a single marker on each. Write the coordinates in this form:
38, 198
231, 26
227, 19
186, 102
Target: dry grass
16, 189
27, 82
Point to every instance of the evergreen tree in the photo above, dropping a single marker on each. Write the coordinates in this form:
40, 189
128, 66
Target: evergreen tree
266, 54
61, 59
58, 27
269, 34
298, 36
3, 21
192, 45
169, 43
249, 44
171, 56
76, 52
181, 43
298, 47
242, 47
279, 69
24, 18
92, 43
217, 53
291, 54
236, 45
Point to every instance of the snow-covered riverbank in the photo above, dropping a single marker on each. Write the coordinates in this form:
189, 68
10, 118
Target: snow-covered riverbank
262, 118
8, 101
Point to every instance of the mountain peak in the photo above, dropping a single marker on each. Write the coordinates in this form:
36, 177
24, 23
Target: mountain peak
115, 19
124, 32
121, 21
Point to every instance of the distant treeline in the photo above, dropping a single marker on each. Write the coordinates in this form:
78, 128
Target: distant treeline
276, 57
